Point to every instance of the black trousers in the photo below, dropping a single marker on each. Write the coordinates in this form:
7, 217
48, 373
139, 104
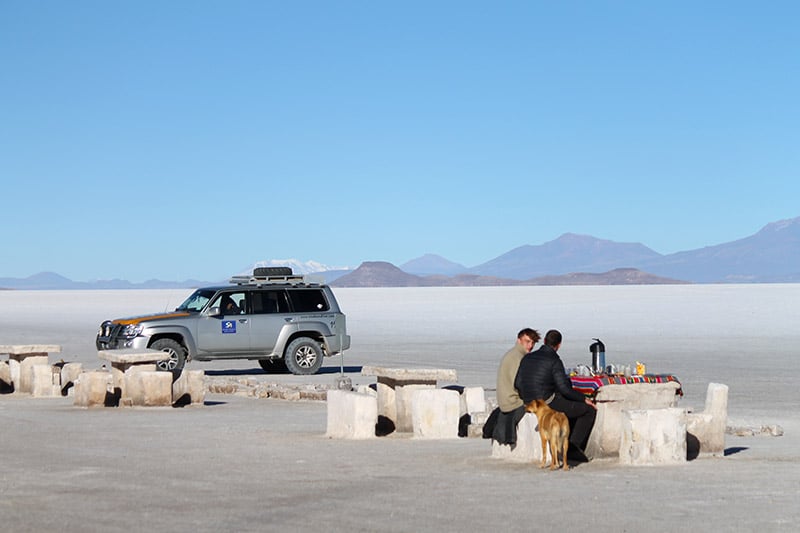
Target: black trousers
505, 428
581, 417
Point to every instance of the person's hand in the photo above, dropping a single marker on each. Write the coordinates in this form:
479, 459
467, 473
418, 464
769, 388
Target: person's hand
591, 402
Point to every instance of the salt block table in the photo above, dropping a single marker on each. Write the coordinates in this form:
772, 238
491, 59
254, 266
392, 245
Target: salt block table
127, 359
394, 389
21, 357
612, 400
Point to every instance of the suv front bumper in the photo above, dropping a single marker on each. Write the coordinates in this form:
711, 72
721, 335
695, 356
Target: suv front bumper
113, 336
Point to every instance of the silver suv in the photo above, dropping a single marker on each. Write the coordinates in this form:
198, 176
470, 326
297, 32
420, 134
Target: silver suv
282, 320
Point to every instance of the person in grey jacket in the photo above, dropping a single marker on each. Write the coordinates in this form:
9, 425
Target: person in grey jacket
541, 376
502, 423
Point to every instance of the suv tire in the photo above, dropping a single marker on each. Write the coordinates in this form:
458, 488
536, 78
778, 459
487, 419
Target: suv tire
177, 354
303, 356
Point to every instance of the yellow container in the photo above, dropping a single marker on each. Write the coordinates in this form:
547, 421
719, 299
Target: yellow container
641, 369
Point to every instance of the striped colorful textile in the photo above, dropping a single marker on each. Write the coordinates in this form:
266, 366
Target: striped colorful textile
588, 385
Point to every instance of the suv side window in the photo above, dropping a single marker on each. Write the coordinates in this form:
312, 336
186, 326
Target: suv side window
231, 303
308, 300
273, 301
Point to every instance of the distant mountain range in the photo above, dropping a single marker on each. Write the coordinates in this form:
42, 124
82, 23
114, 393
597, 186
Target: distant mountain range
53, 281
382, 274
771, 255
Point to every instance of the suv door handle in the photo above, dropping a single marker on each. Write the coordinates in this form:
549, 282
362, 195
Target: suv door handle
242, 320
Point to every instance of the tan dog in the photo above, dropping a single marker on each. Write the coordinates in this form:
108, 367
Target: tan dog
553, 427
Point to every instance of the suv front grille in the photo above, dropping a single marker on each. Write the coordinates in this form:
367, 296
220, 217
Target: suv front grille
109, 336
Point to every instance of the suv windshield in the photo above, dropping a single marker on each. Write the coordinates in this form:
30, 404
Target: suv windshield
196, 301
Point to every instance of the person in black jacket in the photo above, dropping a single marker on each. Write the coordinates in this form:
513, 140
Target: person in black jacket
541, 376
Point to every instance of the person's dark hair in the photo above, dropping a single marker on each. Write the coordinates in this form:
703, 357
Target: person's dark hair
530, 333
552, 338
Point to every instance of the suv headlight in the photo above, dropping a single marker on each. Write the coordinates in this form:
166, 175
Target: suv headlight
131, 330
105, 329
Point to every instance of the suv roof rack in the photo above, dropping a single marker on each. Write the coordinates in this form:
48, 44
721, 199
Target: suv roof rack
267, 280
273, 276
272, 271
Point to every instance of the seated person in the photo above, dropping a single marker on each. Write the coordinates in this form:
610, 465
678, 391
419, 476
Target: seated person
541, 376
227, 307
510, 406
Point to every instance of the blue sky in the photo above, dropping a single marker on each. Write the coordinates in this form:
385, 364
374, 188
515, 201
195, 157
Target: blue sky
190, 139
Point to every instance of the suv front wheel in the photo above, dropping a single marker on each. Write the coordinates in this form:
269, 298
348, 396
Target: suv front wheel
303, 356
177, 354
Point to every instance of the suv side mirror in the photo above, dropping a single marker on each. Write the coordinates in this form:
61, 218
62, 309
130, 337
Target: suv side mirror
214, 311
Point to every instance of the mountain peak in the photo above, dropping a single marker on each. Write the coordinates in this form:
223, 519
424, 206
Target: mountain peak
570, 252
432, 264
377, 274
50, 279
788, 224
576, 239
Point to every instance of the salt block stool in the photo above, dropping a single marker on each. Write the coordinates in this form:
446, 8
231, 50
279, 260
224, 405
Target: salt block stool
653, 437
529, 445
473, 401
190, 387
435, 413
45, 381
351, 415
147, 388
5, 376
69, 373
92, 389
708, 426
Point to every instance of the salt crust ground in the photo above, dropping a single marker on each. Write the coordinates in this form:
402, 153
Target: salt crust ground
243, 464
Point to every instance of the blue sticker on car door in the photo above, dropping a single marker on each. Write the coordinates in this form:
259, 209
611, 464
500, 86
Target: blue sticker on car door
228, 326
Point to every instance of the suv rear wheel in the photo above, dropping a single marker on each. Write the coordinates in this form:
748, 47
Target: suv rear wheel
303, 356
177, 354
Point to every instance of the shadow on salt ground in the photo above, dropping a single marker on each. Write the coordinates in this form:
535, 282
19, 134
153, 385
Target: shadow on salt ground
258, 371
337, 369
735, 449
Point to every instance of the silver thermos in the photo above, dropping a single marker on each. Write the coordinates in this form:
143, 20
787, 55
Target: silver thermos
598, 351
